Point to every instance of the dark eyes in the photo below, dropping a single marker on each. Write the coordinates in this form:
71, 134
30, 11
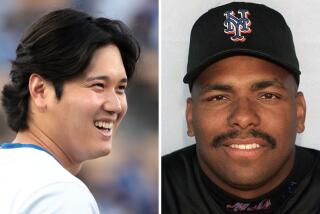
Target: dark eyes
269, 96
98, 85
217, 98
223, 98
122, 88
101, 86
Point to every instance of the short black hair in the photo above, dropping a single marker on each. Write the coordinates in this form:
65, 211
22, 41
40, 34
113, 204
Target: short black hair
59, 47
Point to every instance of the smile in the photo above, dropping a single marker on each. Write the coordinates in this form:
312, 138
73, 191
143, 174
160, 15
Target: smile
104, 125
105, 128
245, 146
248, 148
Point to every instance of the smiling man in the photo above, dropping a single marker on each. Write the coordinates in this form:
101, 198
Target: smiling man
244, 112
65, 100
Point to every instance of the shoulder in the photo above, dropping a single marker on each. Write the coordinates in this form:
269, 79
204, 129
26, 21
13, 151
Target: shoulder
308, 150
179, 169
182, 186
308, 153
179, 163
60, 197
179, 157
33, 179
306, 198
34, 166
311, 157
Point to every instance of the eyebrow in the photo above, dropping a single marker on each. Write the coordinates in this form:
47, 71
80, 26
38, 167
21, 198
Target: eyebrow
254, 87
218, 87
267, 83
105, 78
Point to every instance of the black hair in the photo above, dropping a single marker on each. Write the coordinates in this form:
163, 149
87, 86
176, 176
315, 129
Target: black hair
59, 47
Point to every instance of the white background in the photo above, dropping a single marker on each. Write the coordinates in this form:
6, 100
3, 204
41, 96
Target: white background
177, 18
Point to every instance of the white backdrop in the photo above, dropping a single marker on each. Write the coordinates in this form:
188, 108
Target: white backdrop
177, 18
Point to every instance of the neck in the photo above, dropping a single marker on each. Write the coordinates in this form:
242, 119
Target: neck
34, 135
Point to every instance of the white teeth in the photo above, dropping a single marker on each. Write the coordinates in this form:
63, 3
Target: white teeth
249, 146
245, 146
104, 125
242, 146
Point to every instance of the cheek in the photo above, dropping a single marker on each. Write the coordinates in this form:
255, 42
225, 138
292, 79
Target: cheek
282, 119
78, 109
208, 122
124, 106
75, 113
79, 115
281, 124
84, 105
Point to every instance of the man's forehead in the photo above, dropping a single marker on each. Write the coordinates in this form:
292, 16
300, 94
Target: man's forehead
243, 70
230, 86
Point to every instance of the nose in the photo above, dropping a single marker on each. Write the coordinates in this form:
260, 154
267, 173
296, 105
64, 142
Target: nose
112, 103
243, 114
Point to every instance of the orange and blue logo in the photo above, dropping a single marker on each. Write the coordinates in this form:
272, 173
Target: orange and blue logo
237, 26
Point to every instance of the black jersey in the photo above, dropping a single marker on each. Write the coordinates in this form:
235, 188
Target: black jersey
187, 190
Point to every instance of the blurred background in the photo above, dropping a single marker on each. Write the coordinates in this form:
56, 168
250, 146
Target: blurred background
126, 181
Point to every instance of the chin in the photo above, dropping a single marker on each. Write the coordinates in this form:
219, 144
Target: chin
101, 151
245, 186
247, 181
106, 150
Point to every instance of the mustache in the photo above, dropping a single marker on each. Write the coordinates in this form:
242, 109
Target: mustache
219, 139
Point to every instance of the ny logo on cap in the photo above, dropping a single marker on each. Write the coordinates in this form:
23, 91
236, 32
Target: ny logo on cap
237, 26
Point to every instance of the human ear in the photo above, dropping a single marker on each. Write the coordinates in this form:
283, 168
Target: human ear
37, 90
301, 112
190, 131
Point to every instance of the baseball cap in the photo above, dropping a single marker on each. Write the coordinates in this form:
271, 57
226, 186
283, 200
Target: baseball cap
240, 28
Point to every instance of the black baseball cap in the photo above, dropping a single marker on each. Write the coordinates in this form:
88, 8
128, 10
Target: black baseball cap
240, 28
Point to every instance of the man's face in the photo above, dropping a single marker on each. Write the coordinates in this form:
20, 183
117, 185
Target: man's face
245, 113
83, 122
